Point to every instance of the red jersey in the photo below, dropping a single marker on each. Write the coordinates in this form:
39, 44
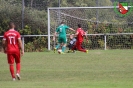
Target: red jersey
80, 35
11, 38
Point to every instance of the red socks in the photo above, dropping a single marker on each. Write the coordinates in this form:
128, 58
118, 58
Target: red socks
12, 71
18, 68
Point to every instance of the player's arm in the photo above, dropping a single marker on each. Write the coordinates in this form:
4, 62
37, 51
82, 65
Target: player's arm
4, 45
54, 36
76, 33
21, 46
72, 29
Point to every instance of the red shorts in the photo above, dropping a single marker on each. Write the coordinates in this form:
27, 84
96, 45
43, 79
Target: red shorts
12, 57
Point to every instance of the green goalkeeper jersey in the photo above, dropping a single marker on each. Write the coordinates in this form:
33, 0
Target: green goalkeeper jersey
62, 30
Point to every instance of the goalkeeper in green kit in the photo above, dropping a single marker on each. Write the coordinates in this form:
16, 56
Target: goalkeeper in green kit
62, 39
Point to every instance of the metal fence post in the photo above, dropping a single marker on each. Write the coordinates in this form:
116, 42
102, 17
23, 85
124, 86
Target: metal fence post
22, 24
23, 41
105, 40
59, 20
23, 6
97, 15
48, 29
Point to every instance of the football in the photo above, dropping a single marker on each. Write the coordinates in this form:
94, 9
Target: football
59, 51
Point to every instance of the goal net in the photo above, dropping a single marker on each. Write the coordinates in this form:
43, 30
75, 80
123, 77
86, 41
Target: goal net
96, 20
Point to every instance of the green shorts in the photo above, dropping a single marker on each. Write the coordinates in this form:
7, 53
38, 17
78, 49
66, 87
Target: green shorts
62, 40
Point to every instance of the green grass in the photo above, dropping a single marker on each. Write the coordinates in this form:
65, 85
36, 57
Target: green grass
97, 69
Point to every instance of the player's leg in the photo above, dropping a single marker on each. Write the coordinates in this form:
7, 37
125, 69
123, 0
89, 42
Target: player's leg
82, 46
64, 47
18, 65
11, 65
79, 47
74, 47
58, 45
70, 46
64, 41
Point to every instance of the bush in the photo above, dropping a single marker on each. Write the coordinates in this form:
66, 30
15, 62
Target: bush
32, 44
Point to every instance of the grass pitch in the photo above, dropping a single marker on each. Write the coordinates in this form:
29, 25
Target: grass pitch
97, 69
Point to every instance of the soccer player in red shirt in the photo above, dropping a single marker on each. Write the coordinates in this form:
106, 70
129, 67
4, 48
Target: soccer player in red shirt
12, 46
80, 36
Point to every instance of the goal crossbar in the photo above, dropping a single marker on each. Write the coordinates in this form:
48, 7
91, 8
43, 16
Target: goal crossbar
100, 7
